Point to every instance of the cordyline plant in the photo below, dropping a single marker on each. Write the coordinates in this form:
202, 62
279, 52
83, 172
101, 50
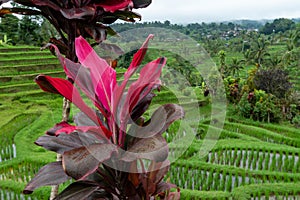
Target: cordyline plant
112, 152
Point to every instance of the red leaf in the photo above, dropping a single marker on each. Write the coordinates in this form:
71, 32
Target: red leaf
81, 76
112, 6
137, 60
149, 77
66, 89
102, 75
148, 80
64, 127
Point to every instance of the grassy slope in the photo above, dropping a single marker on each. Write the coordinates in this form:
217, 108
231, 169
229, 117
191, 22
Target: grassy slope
24, 117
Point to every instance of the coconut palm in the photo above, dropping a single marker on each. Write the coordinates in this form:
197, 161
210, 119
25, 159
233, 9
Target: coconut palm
236, 66
259, 50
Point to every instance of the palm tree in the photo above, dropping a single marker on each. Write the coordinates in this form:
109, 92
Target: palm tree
236, 66
259, 50
222, 58
293, 40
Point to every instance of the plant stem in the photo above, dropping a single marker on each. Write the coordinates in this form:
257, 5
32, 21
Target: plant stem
54, 189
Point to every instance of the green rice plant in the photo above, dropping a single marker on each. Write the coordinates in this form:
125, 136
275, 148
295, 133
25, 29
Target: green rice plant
279, 161
228, 182
273, 165
222, 181
267, 160
205, 195
262, 134
253, 164
210, 180
260, 163
245, 158
250, 159
277, 128
292, 166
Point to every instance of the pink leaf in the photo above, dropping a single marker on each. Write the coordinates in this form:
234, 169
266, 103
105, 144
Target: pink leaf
102, 75
137, 60
81, 76
148, 80
64, 127
66, 89
112, 6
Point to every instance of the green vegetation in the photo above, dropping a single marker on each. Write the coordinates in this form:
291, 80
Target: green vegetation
257, 154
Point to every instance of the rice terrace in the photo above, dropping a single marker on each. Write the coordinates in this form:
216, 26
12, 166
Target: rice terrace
256, 155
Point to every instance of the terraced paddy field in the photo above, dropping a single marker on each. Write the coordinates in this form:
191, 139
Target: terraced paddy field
249, 160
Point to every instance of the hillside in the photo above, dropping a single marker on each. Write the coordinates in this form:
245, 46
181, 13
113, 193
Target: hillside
250, 160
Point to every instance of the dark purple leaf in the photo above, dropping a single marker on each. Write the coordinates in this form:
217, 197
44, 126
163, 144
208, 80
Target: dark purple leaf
153, 148
161, 119
100, 195
81, 162
59, 144
59, 43
157, 171
141, 3
66, 142
142, 106
80, 190
80, 119
127, 16
50, 174
112, 48
78, 13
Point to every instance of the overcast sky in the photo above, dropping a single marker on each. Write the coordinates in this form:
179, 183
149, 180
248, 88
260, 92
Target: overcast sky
184, 11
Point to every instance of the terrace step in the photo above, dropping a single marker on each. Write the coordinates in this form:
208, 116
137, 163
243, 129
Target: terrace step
30, 93
18, 88
28, 77
23, 61
25, 69
23, 54
18, 49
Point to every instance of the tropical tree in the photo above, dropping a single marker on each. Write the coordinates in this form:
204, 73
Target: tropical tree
222, 60
236, 66
9, 26
273, 81
259, 50
293, 40
29, 31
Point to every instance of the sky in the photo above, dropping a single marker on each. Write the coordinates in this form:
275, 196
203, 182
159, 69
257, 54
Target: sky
188, 11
